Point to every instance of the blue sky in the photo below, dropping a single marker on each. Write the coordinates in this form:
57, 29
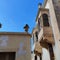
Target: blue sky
14, 14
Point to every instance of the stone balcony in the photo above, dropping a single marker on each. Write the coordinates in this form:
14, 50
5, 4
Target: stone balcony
47, 34
47, 31
38, 48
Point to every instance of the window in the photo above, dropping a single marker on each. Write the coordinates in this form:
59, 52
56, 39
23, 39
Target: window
33, 38
39, 24
45, 20
36, 34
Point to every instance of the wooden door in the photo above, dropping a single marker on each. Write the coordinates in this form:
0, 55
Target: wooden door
7, 55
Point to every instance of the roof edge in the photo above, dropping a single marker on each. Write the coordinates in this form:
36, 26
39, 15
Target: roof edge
15, 33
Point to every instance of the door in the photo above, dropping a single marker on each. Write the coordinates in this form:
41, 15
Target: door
7, 55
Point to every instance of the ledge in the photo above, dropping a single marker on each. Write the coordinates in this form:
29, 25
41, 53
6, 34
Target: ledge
15, 33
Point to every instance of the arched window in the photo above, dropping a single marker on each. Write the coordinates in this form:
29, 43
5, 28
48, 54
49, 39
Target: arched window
33, 38
45, 20
39, 24
36, 34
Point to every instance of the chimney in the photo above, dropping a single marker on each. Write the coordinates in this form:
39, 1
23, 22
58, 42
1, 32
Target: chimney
26, 27
40, 5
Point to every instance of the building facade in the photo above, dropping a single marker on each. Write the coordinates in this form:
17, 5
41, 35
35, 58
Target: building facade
37, 49
48, 22
15, 46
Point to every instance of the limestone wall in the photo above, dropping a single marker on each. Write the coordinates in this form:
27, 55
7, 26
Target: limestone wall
16, 43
